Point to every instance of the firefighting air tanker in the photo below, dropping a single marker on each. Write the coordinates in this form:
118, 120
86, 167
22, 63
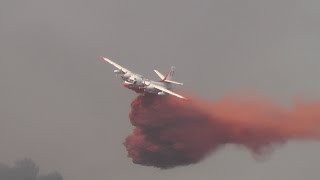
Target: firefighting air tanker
142, 85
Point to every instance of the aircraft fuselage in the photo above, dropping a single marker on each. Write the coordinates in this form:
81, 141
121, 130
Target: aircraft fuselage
146, 86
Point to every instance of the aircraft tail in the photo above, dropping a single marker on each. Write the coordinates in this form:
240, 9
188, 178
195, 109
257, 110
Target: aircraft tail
167, 78
170, 74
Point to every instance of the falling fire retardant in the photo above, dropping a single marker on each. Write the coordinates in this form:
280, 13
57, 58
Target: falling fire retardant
172, 132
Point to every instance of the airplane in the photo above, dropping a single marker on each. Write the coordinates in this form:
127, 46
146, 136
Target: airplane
139, 84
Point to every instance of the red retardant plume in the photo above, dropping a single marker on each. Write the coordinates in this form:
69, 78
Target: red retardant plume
170, 132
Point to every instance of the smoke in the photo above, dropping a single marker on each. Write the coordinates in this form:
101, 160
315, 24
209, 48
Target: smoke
25, 169
170, 132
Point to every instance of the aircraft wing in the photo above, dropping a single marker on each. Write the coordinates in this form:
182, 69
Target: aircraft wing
167, 91
124, 70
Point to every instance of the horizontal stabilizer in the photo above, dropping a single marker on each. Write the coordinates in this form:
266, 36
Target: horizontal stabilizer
173, 82
161, 76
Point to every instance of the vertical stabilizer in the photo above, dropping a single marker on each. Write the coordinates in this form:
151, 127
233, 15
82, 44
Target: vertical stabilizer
168, 77
170, 74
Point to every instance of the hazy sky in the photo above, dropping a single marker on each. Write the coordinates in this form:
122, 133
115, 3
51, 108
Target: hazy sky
63, 107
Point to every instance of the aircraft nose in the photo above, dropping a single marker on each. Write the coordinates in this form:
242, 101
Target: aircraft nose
124, 84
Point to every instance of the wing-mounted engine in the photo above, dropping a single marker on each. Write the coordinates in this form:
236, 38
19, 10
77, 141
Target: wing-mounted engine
148, 89
146, 82
117, 71
126, 75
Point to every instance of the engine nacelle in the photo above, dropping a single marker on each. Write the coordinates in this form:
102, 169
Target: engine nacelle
117, 71
126, 76
149, 89
161, 93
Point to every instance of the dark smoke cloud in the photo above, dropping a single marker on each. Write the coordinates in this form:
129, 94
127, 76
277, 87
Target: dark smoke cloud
25, 169
170, 132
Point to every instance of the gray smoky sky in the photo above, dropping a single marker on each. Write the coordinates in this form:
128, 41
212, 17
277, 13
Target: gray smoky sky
62, 107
